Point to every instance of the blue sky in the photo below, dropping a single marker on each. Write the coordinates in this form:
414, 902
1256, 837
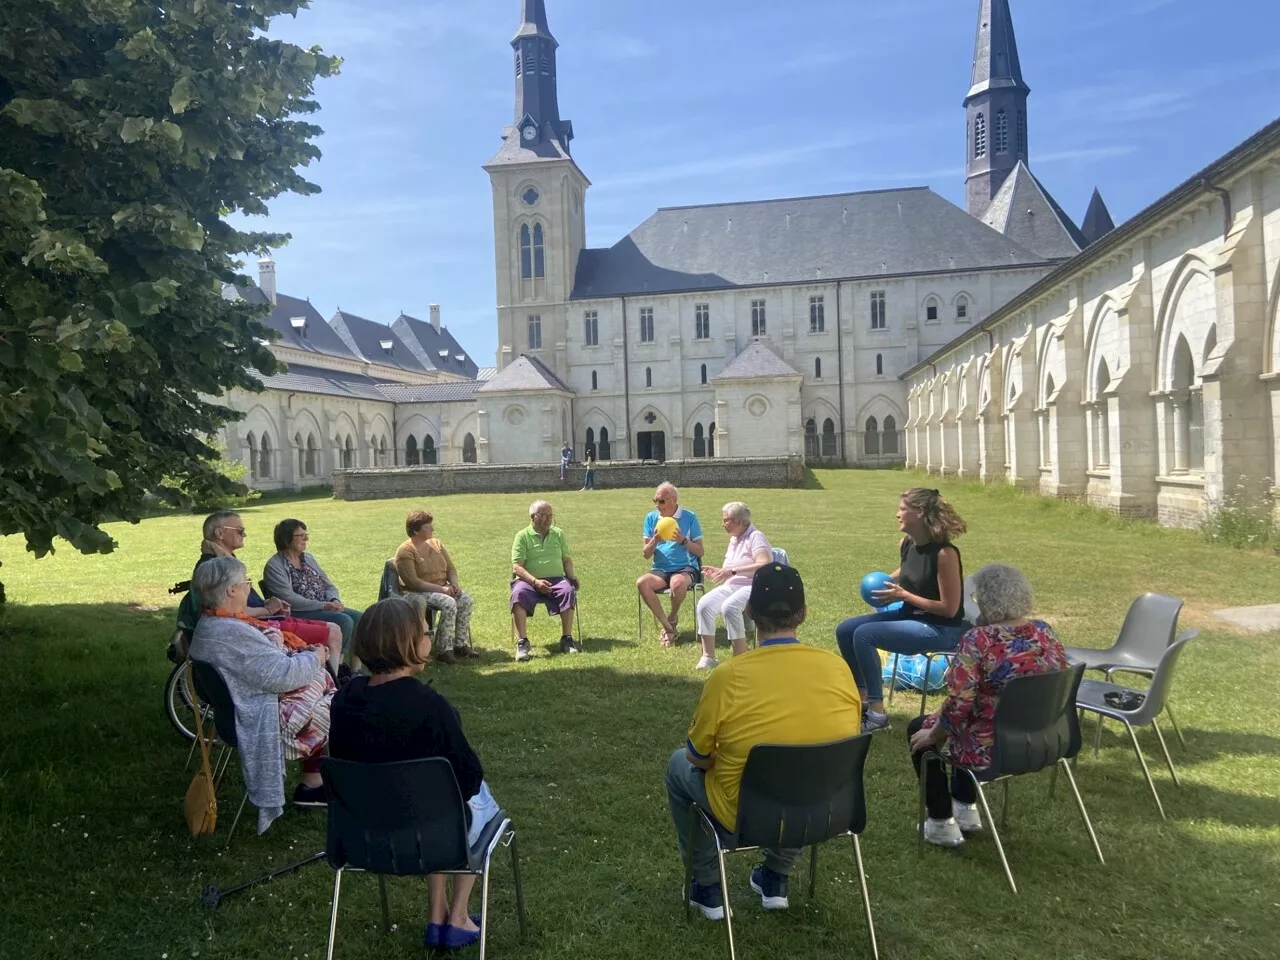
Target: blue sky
676, 103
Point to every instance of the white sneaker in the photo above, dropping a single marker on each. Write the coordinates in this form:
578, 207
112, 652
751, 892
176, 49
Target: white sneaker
707, 663
524, 650
943, 833
966, 816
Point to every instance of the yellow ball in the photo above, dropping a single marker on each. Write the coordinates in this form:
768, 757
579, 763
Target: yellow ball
667, 528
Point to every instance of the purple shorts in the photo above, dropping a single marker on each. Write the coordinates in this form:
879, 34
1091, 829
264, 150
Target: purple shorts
560, 598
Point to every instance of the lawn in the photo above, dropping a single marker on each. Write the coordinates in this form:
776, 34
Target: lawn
98, 863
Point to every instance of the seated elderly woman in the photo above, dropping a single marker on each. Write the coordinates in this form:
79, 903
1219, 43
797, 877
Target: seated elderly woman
1006, 644
431, 580
748, 552
295, 576
224, 534
281, 695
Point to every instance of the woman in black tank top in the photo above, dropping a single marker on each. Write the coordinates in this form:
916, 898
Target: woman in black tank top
929, 582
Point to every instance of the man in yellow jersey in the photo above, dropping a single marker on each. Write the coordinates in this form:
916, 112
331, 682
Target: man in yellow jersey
781, 692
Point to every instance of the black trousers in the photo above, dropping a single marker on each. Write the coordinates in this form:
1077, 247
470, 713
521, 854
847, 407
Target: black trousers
937, 798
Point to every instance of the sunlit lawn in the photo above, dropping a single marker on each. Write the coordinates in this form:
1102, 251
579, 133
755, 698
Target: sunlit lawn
97, 861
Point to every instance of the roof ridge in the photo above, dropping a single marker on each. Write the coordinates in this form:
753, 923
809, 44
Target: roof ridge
813, 196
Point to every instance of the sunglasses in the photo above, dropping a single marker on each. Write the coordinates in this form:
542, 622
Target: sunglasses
659, 499
239, 530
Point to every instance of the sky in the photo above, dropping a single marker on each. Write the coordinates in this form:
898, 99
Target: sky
676, 102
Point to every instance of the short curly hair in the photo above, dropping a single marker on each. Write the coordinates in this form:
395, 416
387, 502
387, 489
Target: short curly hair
1002, 593
416, 520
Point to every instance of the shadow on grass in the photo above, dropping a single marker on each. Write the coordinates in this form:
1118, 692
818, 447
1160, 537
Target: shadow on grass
1203, 746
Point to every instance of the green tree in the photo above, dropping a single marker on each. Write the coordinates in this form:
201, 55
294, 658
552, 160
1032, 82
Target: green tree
129, 130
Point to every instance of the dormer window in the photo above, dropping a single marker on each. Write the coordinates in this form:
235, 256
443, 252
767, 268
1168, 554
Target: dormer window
387, 345
299, 324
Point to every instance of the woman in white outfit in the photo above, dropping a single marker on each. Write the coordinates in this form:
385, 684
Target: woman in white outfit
748, 552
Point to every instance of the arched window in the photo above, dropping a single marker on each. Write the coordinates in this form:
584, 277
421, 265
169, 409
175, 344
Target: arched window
348, 453
411, 452
980, 135
648, 376
817, 368
1188, 414
1101, 417
1001, 132
252, 442
539, 257
699, 441
1046, 428
1210, 343
889, 436
704, 374
264, 458
535, 332
313, 457
519, 64
811, 448
297, 445
429, 450
1022, 133
879, 365
711, 439
828, 437
871, 443
931, 309
382, 451
605, 452
595, 384
962, 307
526, 253
469, 449
591, 441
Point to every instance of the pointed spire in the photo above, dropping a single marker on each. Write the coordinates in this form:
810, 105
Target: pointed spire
1097, 219
995, 52
533, 20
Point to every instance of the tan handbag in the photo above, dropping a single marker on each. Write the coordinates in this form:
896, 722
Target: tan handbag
201, 802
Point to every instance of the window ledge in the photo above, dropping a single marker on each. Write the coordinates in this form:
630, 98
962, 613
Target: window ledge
1098, 474
879, 330
1191, 481
818, 333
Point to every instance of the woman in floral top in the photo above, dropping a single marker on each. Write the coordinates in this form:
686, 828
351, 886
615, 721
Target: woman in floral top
1007, 643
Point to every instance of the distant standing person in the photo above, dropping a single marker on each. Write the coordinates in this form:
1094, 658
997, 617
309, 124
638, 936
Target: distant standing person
589, 481
566, 458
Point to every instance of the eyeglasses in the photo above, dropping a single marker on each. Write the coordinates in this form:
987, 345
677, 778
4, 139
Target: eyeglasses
239, 530
659, 499
304, 536
243, 583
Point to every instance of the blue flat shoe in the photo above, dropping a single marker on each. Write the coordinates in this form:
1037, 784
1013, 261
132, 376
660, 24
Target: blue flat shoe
456, 939
433, 934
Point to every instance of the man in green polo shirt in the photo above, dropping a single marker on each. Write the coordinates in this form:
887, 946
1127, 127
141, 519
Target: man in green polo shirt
543, 572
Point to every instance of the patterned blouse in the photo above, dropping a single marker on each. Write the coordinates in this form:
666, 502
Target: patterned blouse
307, 581
987, 658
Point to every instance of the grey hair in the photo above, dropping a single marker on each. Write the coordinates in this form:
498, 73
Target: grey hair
738, 512
538, 505
215, 522
213, 578
1002, 593
667, 485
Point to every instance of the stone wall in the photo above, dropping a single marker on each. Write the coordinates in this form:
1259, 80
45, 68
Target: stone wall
391, 482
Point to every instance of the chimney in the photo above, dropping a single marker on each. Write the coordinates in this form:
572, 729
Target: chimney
267, 277
435, 316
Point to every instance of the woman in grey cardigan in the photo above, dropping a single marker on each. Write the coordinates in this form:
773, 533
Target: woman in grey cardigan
258, 671
295, 577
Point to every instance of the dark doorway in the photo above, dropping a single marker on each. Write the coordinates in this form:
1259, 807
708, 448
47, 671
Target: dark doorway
651, 445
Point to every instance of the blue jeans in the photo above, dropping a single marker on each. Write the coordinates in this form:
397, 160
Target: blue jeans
861, 638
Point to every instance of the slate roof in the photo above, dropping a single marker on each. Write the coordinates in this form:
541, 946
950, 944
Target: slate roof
486, 373
437, 350
513, 150
330, 383
841, 236
1025, 212
756, 362
429, 393
320, 337
365, 337
524, 373
1097, 219
995, 51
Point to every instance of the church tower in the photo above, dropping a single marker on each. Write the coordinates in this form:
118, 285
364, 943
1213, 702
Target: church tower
539, 209
996, 107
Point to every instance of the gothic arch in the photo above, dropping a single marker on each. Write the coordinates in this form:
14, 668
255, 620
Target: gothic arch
1104, 318
419, 425
344, 426
965, 297
819, 410
880, 406
304, 422
1190, 269
704, 414
597, 418
468, 424
1271, 363
1051, 369
640, 424
379, 426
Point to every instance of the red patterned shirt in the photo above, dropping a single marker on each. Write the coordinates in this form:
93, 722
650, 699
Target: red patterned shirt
987, 658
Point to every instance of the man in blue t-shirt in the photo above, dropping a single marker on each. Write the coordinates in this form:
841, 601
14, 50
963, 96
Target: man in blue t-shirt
676, 555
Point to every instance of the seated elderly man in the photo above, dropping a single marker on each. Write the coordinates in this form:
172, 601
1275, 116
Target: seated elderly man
748, 551
675, 547
543, 572
781, 692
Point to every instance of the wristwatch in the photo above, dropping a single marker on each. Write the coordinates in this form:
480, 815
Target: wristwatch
733, 573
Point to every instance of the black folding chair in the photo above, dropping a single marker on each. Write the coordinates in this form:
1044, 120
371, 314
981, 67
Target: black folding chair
389, 586
793, 796
212, 689
408, 819
1036, 726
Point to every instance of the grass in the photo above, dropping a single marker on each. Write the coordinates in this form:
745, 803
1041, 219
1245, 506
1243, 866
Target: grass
98, 862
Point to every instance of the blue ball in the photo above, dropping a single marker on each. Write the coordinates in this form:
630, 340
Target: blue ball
873, 582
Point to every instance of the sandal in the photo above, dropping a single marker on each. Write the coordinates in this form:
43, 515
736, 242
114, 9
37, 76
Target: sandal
667, 638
